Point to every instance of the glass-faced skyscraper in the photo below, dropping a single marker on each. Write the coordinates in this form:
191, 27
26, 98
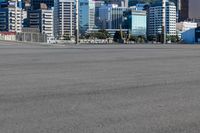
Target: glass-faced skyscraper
86, 15
136, 22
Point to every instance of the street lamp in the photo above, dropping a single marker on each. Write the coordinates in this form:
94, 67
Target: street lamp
77, 22
164, 21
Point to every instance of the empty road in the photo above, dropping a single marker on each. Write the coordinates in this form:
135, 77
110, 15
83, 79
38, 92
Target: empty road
99, 89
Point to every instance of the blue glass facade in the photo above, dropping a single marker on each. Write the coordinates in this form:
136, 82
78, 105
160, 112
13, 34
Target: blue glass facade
138, 23
86, 15
4, 20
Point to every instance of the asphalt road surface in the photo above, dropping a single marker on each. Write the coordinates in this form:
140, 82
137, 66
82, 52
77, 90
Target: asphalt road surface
99, 89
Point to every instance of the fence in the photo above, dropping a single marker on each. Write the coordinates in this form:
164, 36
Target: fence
10, 36
31, 37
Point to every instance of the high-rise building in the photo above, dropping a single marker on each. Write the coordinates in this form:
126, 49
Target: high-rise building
112, 16
189, 10
11, 19
35, 4
98, 4
183, 7
155, 19
105, 15
43, 20
117, 18
64, 18
194, 9
136, 22
86, 15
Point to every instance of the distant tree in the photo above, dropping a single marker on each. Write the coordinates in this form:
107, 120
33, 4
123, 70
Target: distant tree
141, 39
117, 37
168, 38
104, 32
66, 37
159, 38
174, 38
133, 38
151, 38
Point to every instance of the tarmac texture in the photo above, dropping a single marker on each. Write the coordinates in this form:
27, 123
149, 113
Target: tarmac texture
99, 89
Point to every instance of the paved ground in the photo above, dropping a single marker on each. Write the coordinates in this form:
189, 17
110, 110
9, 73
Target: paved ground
99, 89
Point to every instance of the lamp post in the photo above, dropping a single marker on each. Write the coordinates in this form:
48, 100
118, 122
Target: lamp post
164, 21
77, 22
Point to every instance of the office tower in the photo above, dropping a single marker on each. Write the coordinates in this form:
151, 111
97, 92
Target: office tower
35, 4
64, 18
194, 9
111, 16
117, 18
11, 19
43, 20
155, 19
98, 4
136, 22
105, 15
86, 15
183, 6
189, 10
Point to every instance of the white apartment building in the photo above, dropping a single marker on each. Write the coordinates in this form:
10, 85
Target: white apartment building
47, 22
64, 18
11, 19
43, 20
155, 19
16, 19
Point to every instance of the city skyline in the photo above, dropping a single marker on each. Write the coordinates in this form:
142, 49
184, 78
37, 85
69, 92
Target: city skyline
109, 16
